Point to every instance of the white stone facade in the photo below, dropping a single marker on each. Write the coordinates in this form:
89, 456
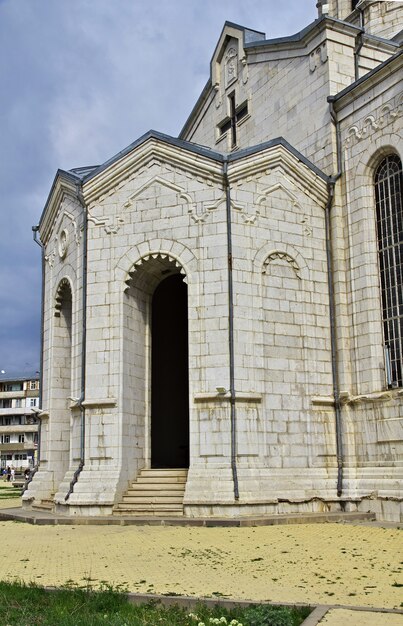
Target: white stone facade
273, 228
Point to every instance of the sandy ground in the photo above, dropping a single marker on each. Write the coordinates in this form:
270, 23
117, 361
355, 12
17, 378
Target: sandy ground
315, 563
343, 617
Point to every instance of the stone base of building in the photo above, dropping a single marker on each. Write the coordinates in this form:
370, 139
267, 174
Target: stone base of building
262, 492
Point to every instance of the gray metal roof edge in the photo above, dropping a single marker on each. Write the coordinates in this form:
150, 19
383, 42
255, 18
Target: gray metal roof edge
153, 134
240, 27
364, 78
69, 175
185, 145
81, 172
199, 103
375, 38
300, 36
210, 154
275, 142
398, 38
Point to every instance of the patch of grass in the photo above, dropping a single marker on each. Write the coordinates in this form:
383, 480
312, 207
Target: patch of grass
266, 615
8, 491
31, 605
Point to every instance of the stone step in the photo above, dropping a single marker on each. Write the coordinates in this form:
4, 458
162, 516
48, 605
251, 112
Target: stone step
164, 472
181, 480
44, 505
166, 506
147, 513
155, 499
156, 492
153, 493
149, 508
152, 487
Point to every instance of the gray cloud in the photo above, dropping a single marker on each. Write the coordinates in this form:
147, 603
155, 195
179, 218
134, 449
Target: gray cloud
80, 81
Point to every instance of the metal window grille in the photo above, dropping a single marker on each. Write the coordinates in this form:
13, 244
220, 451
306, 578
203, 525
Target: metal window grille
389, 216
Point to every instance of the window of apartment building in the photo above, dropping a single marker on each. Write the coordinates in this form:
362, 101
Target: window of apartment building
4, 438
18, 403
389, 217
5, 404
21, 438
33, 401
20, 457
13, 387
34, 384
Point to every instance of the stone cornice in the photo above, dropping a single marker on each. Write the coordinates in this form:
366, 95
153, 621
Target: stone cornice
301, 40
373, 397
278, 155
216, 396
323, 401
64, 184
200, 163
100, 402
391, 67
376, 43
205, 165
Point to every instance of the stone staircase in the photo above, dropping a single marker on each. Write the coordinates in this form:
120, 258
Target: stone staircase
156, 492
44, 505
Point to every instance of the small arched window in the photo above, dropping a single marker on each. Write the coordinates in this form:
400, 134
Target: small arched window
389, 216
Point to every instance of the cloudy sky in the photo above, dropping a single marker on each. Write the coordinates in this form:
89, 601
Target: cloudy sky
80, 80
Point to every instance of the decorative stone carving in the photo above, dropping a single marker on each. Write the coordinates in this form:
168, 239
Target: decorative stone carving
376, 121
66, 208
63, 244
157, 262
50, 258
218, 96
317, 57
199, 212
307, 228
245, 70
283, 256
111, 225
64, 286
231, 67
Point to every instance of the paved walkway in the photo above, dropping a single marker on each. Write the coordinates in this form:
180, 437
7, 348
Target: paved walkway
319, 564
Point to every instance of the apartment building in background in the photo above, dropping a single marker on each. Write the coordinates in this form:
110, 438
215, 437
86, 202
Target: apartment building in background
19, 404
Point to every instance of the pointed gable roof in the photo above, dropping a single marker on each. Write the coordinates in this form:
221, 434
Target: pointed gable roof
92, 182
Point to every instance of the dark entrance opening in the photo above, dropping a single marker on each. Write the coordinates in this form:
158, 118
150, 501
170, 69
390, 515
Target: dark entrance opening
169, 375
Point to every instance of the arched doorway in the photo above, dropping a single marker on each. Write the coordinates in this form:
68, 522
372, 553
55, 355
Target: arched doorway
170, 374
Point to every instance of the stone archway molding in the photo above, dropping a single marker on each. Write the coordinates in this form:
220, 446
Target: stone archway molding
163, 249
266, 254
63, 284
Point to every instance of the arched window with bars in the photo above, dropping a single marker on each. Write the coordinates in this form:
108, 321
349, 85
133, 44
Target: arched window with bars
389, 217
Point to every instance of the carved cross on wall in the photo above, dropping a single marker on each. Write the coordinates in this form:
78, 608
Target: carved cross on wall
230, 122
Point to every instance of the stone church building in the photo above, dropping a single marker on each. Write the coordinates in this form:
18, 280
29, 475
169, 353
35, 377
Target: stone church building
223, 311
